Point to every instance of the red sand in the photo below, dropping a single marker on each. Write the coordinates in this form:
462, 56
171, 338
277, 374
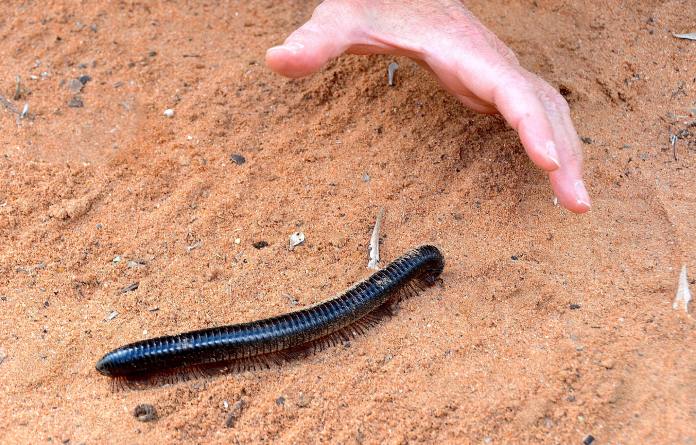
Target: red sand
495, 356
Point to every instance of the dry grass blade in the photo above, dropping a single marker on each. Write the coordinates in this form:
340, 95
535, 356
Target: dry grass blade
689, 36
681, 300
374, 242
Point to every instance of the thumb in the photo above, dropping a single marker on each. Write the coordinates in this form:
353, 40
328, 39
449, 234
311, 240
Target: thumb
306, 50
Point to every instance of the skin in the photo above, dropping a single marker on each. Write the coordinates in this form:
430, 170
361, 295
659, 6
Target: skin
469, 61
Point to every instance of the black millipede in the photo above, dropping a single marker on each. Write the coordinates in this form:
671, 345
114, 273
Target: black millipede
278, 338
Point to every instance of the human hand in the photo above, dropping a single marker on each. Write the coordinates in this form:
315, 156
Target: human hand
468, 60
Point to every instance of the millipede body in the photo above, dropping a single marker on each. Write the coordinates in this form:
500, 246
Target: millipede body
415, 269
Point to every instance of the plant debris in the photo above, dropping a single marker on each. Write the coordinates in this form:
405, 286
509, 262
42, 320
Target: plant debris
689, 36
390, 73
683, 297
374, 242
131, 287
18, 89
134, 264
194, 246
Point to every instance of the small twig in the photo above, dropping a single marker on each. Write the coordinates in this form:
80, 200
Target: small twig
673, 138
374, 242
23, 114
683, 297
390, 73
18, 89
689, 36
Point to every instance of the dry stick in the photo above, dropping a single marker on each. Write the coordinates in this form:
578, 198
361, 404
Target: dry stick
374, 242
683, 297
18, 90
391, 69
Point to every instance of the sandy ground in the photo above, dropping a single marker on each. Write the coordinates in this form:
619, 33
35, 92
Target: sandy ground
495, 355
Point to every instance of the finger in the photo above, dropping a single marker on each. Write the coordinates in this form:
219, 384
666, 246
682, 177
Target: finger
519, 105
571, 194
493, 79
476, 104
567, 181
316, 42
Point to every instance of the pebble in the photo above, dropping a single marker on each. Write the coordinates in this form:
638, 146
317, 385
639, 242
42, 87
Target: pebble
194, 246
76, 102
117, 259
260, 244
589, 439
133, 264
237, 158
111, 316
280, 401
84, 79
235, 413
75, 86
145, 412
296, 239
169, 112
3, 356
607, 363
574, 306
303, 401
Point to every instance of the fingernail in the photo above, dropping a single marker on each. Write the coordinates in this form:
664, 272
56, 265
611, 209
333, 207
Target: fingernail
293, 47
551, 153
581, 195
